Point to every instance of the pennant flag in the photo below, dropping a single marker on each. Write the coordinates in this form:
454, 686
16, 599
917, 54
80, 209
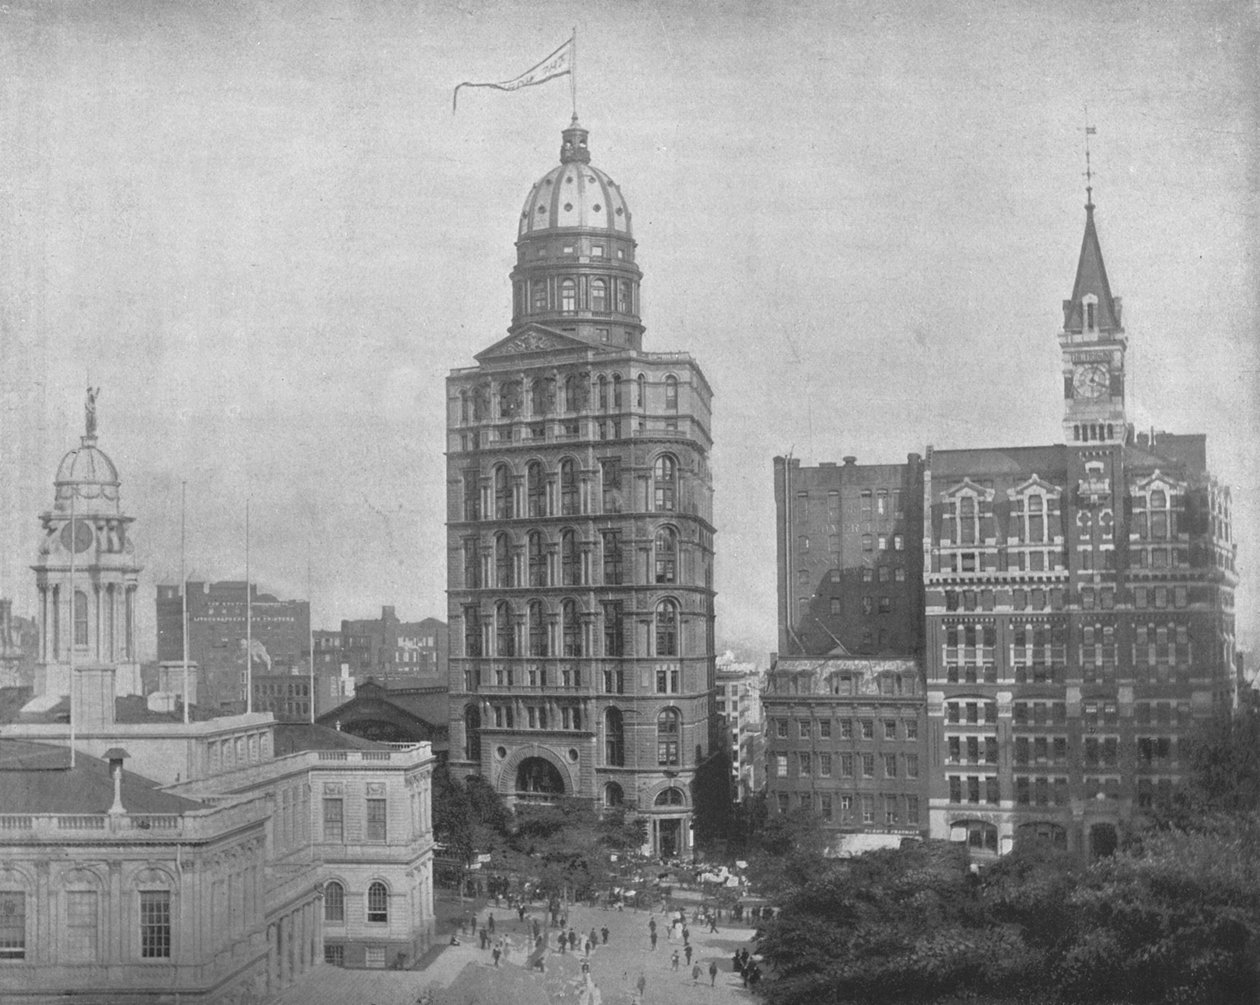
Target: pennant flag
1090, 131
557, 64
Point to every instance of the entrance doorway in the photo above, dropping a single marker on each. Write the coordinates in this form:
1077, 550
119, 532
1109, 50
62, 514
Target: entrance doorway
668, 838
1102, 840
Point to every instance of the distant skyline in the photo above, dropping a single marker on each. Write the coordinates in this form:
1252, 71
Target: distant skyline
265, 236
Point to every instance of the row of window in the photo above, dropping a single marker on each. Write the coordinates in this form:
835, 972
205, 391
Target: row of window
562, 564
888, 685
1096, 751
808, 763
599, 295
376, 903
539, 500
538, 637
82, 925
891, 729
873, 504
375, 820
109, 610
1091, 598
844, 808
576, 389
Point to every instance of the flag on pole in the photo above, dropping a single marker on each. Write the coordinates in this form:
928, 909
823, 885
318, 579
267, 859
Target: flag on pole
558, 64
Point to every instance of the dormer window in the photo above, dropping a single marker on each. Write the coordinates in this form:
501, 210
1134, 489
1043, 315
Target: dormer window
1090, 322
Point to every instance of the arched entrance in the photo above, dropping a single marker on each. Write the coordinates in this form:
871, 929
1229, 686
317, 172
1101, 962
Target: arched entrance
537, 779
668, 834
1102, 840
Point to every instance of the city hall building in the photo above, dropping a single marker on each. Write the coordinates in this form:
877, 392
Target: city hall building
580, 529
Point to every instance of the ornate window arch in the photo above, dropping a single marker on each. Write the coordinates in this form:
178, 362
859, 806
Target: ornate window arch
334, 903
603, 393
537, 556
378, 903
665, 624
673, 796
570, 559
640, 394
665, 484
570, 629
665, 551
569, 497
668, 735
671, 393
616, 392
502, 493
503, 563
613, 795
599, 295
568, 296
572, 392
504, 629
536, 489
538, 636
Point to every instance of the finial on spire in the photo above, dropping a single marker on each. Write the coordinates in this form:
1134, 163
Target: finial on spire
89, 412
1089, 173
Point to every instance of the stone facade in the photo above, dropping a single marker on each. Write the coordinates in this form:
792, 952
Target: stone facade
580, 530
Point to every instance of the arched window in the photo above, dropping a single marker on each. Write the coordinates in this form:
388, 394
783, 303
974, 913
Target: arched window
1159, 525
502, 493
571, 629
599, 295
640, 393
378, 903
623, 296
668, 731
603, 393
571, 393
538, 292
334, 902
80, 618
570, 562
666, 555
537, 560
616, 402
472, 631
667, 628
537, 630
568, 488
613, 795
503, 561
967, 520
505, 633
671, 393
536, 490
664, 484
614, 738
978, 834
463, 406
670, 797
472, 733
1036, 519
568, 296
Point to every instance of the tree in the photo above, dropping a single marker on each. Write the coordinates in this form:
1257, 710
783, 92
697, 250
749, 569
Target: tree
1225, 765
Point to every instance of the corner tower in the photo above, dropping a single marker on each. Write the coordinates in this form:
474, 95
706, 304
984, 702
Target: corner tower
580, 531
1093, 344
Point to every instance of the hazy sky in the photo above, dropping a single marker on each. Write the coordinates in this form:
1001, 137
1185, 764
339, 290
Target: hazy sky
259, 228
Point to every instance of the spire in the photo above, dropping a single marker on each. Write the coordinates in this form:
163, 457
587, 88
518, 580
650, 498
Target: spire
1091, 287
574, 147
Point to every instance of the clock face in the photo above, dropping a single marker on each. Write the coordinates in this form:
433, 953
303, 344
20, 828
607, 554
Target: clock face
83, 535
1091, 380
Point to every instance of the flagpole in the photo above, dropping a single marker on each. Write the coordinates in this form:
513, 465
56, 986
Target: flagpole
249, 623
74, 542
310, 628
183, 585
573, 72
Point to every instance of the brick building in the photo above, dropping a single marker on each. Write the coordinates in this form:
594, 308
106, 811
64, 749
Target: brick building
217, 614
580, 529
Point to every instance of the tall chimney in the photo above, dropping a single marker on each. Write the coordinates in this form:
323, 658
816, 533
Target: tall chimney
116, 756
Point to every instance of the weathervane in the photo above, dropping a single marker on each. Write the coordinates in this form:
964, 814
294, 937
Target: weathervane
89, 409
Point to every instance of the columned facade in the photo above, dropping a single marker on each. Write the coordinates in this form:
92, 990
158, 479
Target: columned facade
580, 534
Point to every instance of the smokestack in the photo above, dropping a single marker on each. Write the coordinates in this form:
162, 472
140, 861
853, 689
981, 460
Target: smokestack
116, 756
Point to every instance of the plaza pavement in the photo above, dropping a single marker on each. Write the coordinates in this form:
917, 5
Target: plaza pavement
465, 974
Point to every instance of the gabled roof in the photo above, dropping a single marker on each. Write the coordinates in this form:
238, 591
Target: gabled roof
536, 339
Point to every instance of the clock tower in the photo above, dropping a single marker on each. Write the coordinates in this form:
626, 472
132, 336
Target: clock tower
1093, 345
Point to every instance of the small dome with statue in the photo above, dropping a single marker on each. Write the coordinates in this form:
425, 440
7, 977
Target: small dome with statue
86, 472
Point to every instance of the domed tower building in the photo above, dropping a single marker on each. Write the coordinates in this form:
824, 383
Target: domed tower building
580, 529
87, 575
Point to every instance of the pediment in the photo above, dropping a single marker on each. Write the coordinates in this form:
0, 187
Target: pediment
535, 340
1035, 484
1159, 480
967, 487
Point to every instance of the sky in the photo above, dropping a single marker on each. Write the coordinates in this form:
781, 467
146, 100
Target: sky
259, 228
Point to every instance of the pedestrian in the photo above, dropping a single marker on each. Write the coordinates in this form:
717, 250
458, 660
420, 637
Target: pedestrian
641, 985
712, 924
563, 942
603, 932
485, 937
673, 961
695, 973
573, 940
498, 951
520, 911
736, 961
687, 950
588, 947
686, 935
594, 936
653, 938
586, 967
490, 924
712, 972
